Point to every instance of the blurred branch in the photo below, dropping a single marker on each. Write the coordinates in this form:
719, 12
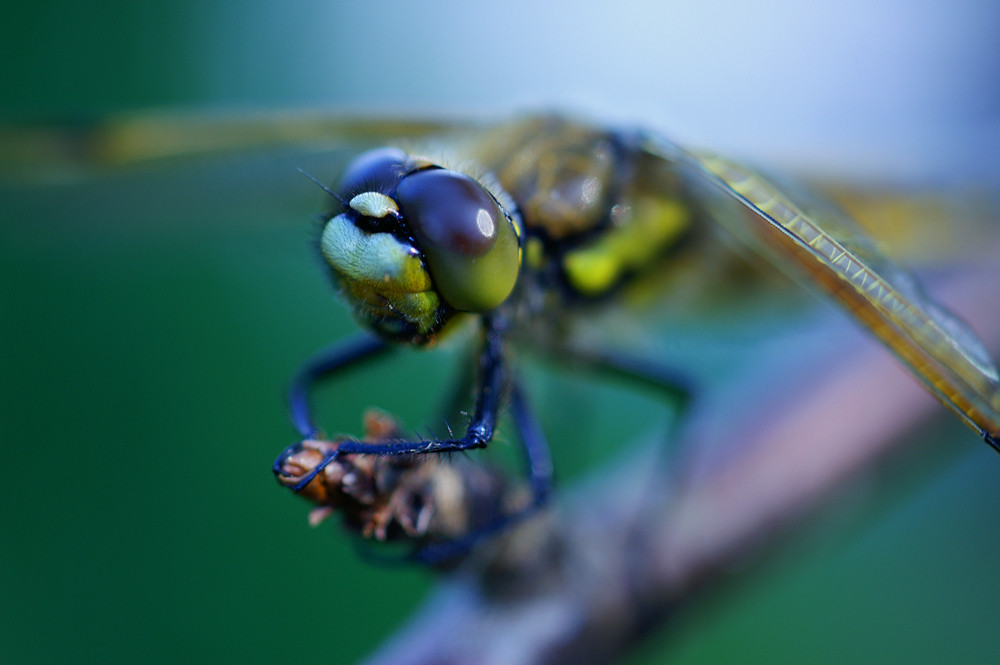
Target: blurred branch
617, 557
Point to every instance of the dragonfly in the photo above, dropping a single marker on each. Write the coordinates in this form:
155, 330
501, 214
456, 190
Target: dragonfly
522, 222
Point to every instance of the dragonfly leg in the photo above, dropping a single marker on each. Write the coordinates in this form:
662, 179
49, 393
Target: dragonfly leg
676, 388
679, 394
491, 383
322, 365
538, 466
490, 388
537, 458
992, 440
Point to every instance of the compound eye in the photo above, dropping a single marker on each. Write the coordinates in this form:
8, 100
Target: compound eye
374, 171
469, 245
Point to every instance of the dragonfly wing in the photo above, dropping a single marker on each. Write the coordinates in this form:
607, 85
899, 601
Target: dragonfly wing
127, 139
820, 241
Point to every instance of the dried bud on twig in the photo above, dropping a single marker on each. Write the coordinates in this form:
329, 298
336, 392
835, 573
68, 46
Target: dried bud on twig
424, 499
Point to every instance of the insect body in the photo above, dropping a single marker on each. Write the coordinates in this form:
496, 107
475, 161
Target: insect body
555, 215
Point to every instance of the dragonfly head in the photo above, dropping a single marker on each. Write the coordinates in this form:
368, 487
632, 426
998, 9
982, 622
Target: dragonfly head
418, 243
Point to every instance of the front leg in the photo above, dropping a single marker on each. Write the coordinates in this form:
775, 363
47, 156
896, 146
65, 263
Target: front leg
490, 386
326, 364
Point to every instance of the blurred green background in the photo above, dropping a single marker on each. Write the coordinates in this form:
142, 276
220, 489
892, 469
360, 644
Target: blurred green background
151, 317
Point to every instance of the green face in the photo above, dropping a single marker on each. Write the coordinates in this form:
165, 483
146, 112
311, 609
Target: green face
417, 244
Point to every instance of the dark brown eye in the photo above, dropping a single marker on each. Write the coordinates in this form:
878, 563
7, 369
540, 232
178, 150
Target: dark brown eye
374, 171
469, 244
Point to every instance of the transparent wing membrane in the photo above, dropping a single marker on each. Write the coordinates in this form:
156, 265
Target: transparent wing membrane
820, 240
